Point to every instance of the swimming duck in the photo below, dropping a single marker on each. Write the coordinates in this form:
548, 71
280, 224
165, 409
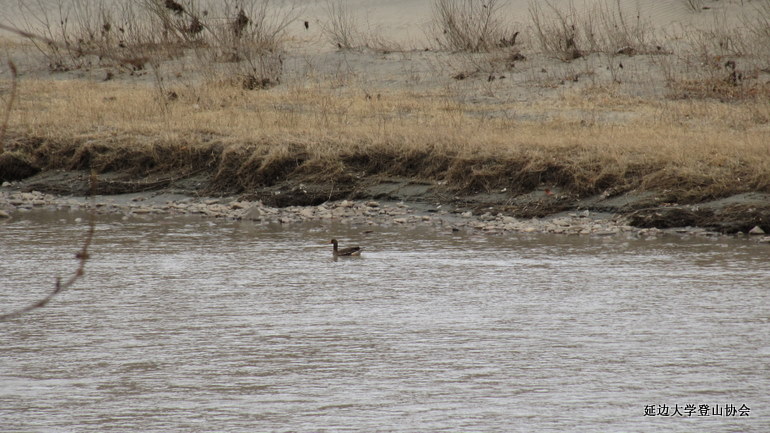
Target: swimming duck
350, 251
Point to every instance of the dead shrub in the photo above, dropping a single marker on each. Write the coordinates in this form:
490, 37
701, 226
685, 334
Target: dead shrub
602, 26
557, 30
470, 25
244, 46
247, 36
341, 28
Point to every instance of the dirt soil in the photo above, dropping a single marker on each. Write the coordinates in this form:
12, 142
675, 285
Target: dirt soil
735, 214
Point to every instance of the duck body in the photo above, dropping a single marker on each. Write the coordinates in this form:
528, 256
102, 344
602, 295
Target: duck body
344, 252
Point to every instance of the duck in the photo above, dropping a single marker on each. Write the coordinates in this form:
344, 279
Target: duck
344, 252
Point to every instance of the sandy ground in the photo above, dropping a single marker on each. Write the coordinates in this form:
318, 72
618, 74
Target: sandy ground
407, 21
403, 54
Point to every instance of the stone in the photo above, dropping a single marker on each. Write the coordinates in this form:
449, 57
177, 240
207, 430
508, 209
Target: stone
253, 213
4, 214
307, 213
757, 230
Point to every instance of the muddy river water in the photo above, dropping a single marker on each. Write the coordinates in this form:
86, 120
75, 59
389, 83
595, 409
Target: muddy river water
195, 325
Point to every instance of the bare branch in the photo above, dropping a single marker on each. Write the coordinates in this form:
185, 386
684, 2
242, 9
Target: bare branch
60, 286
81, 51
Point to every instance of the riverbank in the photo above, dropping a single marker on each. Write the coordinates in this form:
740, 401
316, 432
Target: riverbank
403, 203
670, 131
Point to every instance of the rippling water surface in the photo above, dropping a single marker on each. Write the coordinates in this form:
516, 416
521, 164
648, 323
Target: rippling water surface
187, 325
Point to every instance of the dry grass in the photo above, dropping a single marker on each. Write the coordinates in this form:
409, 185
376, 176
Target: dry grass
245, 140
708, 138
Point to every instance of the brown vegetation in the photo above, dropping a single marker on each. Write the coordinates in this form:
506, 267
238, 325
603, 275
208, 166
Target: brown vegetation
707, 138
247, 140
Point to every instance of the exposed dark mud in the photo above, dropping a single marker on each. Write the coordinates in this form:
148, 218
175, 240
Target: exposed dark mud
737, 213
15, 167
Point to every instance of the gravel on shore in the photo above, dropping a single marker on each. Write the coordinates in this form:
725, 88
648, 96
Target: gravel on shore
373, 213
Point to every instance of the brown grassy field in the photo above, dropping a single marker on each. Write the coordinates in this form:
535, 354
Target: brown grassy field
700, 148
705, 135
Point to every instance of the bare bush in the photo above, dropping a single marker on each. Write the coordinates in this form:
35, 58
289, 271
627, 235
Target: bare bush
87, 33
341, 28
557, 30
604, 27
618, 32
247, 37
469, 25
757, 25
38, 19
244, 35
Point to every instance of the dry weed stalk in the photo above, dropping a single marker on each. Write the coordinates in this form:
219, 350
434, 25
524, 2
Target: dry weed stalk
9, 104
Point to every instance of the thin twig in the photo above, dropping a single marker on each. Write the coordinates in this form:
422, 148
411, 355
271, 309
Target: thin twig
81, 51
60, 286
9, 106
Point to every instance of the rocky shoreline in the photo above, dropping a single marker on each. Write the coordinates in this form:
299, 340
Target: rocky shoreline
14, 203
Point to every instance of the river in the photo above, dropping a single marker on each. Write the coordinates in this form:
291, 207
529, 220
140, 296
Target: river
186, 324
